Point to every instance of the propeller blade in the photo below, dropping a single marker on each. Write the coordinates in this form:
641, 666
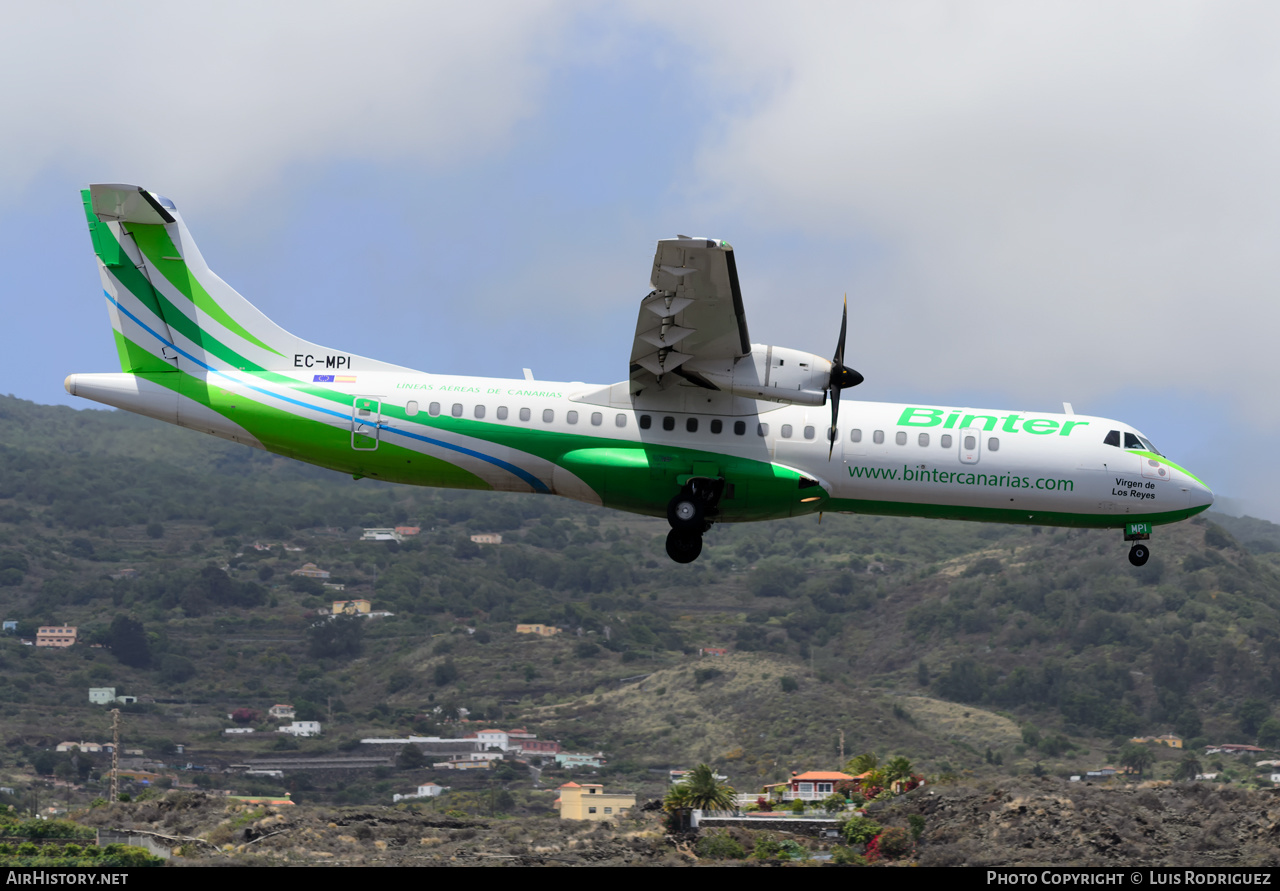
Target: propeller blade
835, 415
842, 377
838, 360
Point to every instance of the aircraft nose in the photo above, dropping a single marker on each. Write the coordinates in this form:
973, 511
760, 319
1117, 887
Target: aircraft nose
1201, 496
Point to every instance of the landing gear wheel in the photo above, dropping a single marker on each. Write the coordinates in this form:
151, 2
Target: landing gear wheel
1138, 554
686, 513
684, 546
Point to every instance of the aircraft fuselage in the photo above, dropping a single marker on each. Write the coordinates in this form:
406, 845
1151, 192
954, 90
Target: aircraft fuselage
600, 445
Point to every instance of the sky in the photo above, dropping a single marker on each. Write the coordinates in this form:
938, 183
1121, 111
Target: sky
1025, 203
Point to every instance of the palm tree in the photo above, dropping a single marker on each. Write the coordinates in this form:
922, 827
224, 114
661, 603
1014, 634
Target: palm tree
860, 764
898, 769
701, 790
1188, 768
707, 791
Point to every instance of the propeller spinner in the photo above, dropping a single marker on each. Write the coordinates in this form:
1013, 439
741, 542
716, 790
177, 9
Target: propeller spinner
842, 377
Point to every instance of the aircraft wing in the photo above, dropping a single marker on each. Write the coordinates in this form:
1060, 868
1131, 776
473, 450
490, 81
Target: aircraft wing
694, 312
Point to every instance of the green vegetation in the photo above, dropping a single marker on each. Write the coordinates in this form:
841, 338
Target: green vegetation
976, 648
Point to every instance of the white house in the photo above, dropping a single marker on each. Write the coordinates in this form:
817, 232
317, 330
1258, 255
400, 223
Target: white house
492, 739
430, 790
302, 728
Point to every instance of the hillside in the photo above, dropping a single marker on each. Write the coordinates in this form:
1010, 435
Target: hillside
972, 649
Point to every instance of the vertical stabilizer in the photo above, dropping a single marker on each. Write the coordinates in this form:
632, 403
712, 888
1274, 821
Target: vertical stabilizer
171, 312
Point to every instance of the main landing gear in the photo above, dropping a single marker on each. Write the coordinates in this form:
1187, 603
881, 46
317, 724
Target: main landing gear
1138, 533
690, 514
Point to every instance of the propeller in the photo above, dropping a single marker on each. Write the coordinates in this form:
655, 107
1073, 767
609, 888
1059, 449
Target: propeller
842, 378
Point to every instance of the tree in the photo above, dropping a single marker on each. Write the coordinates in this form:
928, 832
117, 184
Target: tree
336, 637
1269, 734
1188, 768
129, 642
1251, 714
860, 764
707, 791
898, 769
701, 790
1136, 757
411, 758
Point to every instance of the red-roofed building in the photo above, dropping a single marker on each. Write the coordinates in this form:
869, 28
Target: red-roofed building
812, 785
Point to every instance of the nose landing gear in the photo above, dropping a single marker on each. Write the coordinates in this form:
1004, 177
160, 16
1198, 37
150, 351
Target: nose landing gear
690, 514
1138, 533
1138, 554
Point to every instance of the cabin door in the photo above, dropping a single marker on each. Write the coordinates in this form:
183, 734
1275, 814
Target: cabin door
366, 414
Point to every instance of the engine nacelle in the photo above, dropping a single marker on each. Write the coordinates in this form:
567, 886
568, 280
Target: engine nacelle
776, 374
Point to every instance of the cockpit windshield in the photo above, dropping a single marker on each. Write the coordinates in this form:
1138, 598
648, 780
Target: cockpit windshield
1131, 441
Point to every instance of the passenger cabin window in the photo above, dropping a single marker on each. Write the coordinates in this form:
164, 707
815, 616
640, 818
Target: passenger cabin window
620, 420
411, 408
762, 429
717, 426
970, 443
786, 431
433, 409
945, 441
571, 417
456, 411
878, 437
900, 437
691, 424
479, 411
548, 415
993, 444
668, 422
502, 412
596, 419
923, 439
809, 432
1113, 438
646, 421
855, 435
832, 434
739, 428
525, 414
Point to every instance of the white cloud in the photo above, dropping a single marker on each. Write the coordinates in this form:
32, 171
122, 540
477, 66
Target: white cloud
1034, 190
190, 98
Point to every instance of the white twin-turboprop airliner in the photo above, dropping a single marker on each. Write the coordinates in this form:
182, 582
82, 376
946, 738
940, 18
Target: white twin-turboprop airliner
708, 428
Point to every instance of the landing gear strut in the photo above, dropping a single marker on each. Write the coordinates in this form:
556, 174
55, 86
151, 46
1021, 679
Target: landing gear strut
690, 514
1138, 533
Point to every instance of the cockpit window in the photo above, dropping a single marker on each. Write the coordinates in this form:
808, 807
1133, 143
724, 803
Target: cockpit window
1113, 438
1150, 448
1131, 441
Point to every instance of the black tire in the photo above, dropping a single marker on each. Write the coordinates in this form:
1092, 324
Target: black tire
1139, 554
687, 513
683, 546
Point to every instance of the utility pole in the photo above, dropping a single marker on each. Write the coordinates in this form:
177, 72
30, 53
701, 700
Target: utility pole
842, 748
115, 754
